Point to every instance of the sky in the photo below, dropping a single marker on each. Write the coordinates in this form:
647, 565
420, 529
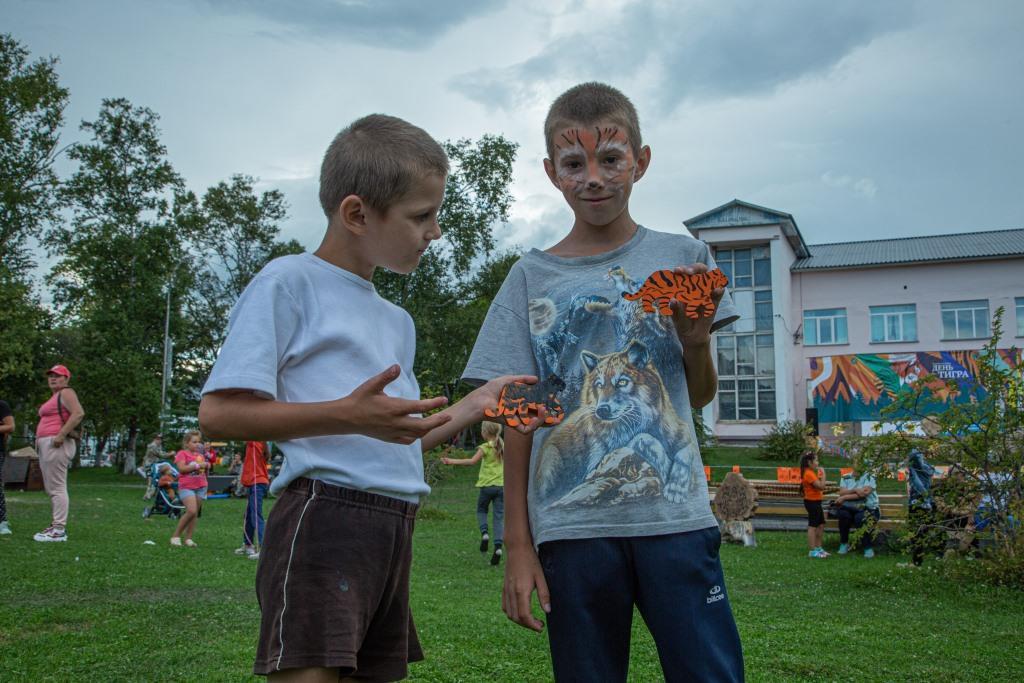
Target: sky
864, 119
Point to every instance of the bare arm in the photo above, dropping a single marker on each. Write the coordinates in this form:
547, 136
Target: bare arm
470, 410
523, 573
241, 415
7, 426
465, 461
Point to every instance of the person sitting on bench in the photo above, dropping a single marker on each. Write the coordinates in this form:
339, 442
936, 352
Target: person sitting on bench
858, 498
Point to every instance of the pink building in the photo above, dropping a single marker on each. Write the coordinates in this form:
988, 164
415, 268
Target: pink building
829, 332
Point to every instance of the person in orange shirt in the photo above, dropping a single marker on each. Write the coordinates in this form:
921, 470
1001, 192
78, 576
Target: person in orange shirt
812, 482
254, 477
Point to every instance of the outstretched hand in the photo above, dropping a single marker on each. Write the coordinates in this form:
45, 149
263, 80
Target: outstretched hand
694, 332
395, 420
489, 393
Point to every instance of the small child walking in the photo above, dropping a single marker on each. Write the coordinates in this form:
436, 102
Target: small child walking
491, 482
192, 485
812, 481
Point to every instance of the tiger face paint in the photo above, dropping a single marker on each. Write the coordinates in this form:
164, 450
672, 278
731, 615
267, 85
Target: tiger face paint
594, 167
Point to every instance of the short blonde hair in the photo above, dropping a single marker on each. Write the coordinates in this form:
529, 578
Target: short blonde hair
188, 437
590, 103
377, 158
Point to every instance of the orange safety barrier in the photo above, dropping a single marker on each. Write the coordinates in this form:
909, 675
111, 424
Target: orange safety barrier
736, 468
707, 472
788, 475
843, 471
901, 475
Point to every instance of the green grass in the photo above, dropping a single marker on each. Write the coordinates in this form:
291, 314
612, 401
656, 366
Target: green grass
106, 606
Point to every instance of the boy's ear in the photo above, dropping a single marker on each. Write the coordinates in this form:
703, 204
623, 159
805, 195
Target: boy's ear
549, 169
351, 214
642, 163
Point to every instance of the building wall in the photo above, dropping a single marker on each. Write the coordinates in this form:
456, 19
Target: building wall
926, 285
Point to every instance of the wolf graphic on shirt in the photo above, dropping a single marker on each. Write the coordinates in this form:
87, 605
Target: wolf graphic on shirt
624, 440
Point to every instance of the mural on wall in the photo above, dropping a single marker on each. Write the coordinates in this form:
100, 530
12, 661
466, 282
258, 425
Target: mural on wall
857, 387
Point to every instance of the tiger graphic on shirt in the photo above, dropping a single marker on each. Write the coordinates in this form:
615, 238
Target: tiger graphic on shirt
624, 439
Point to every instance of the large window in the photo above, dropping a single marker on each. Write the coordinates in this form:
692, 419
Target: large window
750, 267
1020, 315
825, 326
746, 349
894, 323
965, 319
746, 371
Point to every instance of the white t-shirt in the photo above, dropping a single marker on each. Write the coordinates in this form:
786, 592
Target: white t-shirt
306, 331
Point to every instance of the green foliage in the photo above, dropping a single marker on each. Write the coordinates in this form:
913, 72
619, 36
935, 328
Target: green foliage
786, 441
449, 293
233, 232
705, 436
984, 438
115, 260
31, 113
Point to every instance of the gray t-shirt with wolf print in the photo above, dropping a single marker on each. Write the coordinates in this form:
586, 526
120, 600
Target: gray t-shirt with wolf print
624, 461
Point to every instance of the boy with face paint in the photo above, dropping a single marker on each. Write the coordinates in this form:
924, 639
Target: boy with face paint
609, 509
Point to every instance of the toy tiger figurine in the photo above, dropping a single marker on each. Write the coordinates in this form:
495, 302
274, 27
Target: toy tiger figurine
693, 291
518, 403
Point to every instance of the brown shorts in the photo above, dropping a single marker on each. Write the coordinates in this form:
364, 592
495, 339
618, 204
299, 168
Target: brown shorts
333, 583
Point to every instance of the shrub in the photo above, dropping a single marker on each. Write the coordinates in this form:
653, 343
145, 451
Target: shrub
705, 437
980, 503
786, 441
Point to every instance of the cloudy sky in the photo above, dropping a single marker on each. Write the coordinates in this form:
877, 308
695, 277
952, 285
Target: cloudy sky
864, 119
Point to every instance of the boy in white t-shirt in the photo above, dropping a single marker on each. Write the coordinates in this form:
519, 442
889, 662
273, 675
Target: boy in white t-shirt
318, 362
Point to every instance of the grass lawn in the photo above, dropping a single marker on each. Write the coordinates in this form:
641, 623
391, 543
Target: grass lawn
106, 606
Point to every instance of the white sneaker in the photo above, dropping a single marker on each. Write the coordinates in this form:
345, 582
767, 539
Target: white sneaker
245, 550
176, 541
51, 535
5, 529
254, 556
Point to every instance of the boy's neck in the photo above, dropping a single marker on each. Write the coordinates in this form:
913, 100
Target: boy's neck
335, 250
586, 239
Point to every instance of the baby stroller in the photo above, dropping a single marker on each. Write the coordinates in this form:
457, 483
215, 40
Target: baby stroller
163, 477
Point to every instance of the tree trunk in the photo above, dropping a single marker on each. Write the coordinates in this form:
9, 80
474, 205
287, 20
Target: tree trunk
129, 452
101, 445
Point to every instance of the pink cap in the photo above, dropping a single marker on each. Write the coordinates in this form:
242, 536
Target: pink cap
59, 370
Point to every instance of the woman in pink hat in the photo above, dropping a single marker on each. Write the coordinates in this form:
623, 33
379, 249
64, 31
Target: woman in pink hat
57, 417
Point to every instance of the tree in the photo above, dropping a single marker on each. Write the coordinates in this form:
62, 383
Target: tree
233, 232
116, 259
24, 324
31, 114
448, 294
983, 438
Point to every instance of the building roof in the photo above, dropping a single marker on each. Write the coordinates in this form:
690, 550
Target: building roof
964, 246
738, 213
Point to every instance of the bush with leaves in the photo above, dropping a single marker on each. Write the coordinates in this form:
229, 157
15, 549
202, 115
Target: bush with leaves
786, 441
979, 505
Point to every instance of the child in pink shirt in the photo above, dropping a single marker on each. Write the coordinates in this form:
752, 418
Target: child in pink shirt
192, 466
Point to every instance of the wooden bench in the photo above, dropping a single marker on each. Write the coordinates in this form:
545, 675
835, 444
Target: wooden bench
784, 502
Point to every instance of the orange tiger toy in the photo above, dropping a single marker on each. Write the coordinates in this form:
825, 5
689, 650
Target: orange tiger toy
519, 403
693, 291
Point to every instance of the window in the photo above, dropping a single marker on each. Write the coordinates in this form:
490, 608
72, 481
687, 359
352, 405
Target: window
965, 319
746, 371
894, 323
825, 326
751, 267
1020, 315
746, 348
